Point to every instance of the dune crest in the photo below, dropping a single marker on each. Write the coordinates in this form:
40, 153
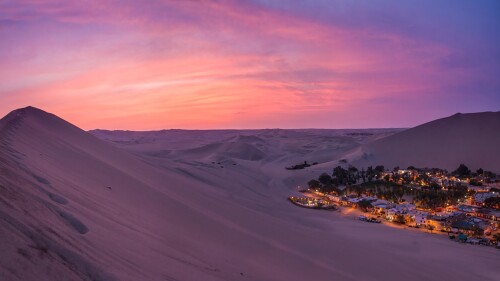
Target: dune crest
471, 138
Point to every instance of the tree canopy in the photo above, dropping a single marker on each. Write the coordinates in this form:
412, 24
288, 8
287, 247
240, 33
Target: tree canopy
462, 171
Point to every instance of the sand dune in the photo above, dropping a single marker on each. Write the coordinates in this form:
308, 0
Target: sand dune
472, 139
152, 206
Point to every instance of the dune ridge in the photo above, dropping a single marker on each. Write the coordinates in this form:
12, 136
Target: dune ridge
470, 138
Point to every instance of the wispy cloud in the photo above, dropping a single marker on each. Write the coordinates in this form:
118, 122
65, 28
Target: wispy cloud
209, 64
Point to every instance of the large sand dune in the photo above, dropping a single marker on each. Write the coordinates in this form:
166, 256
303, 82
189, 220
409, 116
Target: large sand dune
194, 205
472, 139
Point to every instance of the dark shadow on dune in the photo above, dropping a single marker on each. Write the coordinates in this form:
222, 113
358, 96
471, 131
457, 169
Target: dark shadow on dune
41, 180
58, 198
74, 222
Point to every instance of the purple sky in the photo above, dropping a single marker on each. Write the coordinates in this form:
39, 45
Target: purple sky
250, 64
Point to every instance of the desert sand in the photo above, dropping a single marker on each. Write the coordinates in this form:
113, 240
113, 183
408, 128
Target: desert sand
196, 205
471, 138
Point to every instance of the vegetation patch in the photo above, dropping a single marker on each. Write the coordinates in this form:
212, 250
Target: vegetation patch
301, 166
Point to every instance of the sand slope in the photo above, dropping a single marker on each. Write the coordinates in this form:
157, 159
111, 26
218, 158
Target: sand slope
472, 139
73, 207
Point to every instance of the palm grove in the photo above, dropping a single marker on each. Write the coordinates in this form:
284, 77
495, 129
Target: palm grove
393, 186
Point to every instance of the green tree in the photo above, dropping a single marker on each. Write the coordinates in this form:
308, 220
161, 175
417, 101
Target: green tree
399, 219
325, 180
462, 171
430, 227
340, 174
363, 175
398, 193
489, 175
364, 205
379, 170
496, 236
352, 173
313, 184
492, 202
477, 231
370, 173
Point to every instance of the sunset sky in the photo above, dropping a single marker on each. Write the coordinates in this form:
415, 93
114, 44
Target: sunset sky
157, 64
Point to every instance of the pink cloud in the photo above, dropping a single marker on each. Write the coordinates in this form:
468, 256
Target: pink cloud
210, 64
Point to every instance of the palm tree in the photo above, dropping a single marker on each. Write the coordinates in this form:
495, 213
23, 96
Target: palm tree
496, 237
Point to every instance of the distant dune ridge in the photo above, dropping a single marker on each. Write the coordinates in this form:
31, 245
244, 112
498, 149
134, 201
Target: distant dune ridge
198, 205
470, 138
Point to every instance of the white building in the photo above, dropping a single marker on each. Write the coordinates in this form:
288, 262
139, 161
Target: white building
391, 214
405, 208
480, 197
421, 219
